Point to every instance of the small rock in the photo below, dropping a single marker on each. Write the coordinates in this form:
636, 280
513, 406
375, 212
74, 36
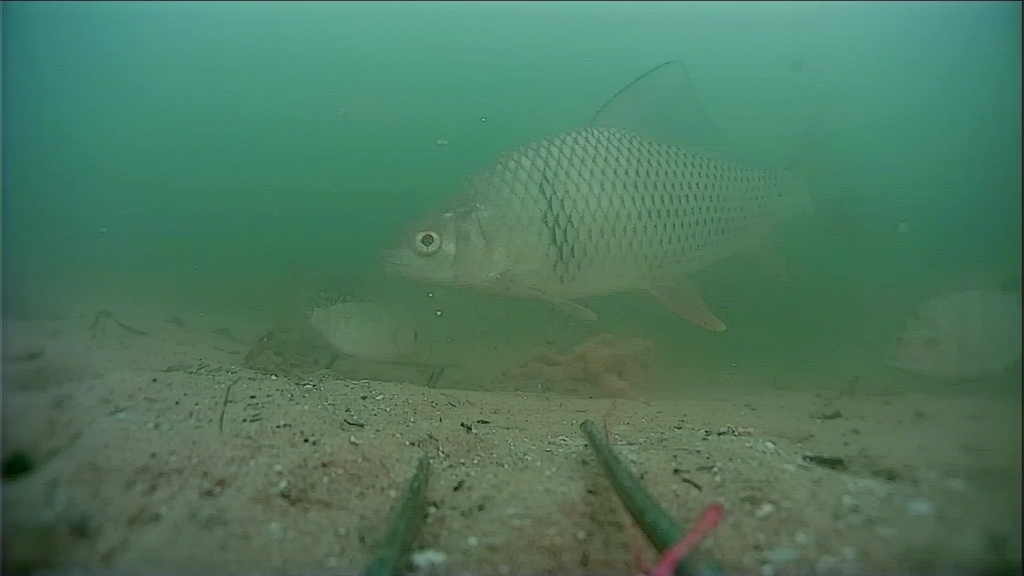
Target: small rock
764, 510
957, 484
886, 531
920, 508
855, 519
426, 559
781, 555
802, 538
826, 564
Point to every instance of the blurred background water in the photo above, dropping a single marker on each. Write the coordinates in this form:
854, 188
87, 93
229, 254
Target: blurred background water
235, 156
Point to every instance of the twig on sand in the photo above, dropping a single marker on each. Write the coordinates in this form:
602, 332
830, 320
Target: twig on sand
393, 551
224, 407
108, 314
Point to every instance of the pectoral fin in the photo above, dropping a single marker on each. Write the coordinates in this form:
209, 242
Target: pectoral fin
571, 308
682, 296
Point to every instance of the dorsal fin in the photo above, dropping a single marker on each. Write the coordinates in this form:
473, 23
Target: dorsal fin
662, 105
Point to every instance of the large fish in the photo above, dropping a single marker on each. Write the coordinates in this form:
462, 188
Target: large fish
621, 205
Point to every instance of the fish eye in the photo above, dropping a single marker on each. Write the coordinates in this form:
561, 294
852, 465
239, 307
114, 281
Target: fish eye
428, 242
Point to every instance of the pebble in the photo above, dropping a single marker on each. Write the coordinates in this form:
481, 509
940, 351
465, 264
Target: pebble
781, 554
425, 559
920, 508
472, 541
957, 484
886, 531
826, 564
765, 510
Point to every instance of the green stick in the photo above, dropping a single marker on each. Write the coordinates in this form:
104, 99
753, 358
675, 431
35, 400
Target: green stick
393, 553
661, 530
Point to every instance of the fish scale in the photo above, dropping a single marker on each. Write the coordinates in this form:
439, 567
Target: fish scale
602, 210
605, 195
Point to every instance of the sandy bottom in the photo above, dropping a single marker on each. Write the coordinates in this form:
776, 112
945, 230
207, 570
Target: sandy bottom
170, 450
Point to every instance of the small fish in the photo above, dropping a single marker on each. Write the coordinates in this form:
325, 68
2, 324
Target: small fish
620, 205
961, 336
366, 330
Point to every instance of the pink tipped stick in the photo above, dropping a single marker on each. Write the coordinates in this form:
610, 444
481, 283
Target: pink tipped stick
709, 519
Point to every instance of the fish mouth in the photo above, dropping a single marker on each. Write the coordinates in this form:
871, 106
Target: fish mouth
394, 269
399, 265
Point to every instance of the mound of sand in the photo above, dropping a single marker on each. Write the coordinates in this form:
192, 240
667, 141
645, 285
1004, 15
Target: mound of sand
612, 364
